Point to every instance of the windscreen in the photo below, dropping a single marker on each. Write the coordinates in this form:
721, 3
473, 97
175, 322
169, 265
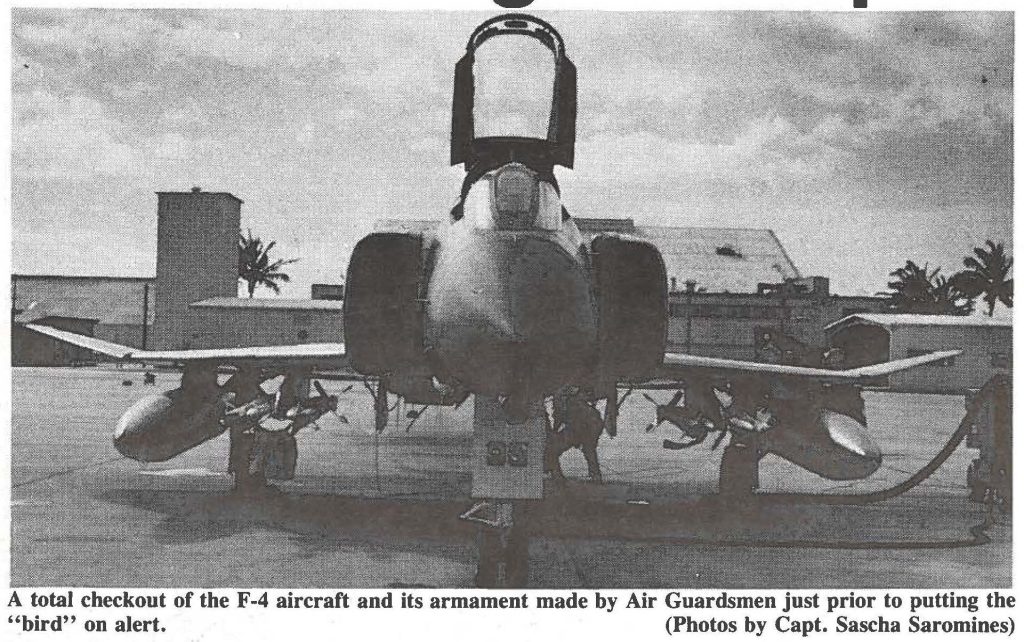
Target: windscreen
514, 81
513, 199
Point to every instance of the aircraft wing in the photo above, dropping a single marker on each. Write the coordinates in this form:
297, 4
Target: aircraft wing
331, 356
677, 366
317, 355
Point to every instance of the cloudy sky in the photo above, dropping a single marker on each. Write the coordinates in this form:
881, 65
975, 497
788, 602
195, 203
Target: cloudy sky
862, 139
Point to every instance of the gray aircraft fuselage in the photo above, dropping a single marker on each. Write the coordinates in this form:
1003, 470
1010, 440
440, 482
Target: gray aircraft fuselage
511, 308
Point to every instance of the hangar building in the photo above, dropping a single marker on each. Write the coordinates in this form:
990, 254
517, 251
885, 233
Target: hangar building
987, 346
235, 322
712, 259
729, 325
117, 305
33, 349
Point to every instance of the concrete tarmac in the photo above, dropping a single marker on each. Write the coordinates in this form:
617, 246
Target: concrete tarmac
378, 511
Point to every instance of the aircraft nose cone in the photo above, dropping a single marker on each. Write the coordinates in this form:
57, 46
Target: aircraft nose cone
511, 308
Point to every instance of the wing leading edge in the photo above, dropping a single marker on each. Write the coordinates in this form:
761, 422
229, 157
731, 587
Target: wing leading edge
320, 355
677, 365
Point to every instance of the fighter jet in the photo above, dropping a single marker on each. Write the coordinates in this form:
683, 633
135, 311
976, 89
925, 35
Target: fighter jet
507, 301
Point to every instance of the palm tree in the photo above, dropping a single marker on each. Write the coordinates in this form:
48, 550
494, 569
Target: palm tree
255, 266
911, 289
985, 276
917, 290
950, 297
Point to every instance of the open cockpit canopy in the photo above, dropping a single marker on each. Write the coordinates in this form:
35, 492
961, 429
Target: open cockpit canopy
513, 138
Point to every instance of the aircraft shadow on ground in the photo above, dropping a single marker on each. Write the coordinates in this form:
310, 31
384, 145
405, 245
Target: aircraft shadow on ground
193, 516
323, 522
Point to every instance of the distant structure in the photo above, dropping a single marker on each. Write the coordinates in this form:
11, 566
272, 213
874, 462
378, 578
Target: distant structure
121, 307
987, 346
196, 258
733, 324
30, 348
715, 259
228, 322
328, 292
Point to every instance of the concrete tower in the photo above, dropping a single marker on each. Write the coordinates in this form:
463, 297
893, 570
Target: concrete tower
196, 258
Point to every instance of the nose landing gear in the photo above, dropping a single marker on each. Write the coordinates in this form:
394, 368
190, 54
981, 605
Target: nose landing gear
508, 468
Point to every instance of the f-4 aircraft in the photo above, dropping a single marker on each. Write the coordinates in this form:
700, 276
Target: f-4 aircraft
507, 301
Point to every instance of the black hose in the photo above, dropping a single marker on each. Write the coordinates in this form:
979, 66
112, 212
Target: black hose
979, 537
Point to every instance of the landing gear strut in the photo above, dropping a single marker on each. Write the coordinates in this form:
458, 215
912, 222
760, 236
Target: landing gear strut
508, 467
738, 474
239, 456
503, 545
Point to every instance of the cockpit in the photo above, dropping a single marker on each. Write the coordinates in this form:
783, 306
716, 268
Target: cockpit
512, 198
513, 125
